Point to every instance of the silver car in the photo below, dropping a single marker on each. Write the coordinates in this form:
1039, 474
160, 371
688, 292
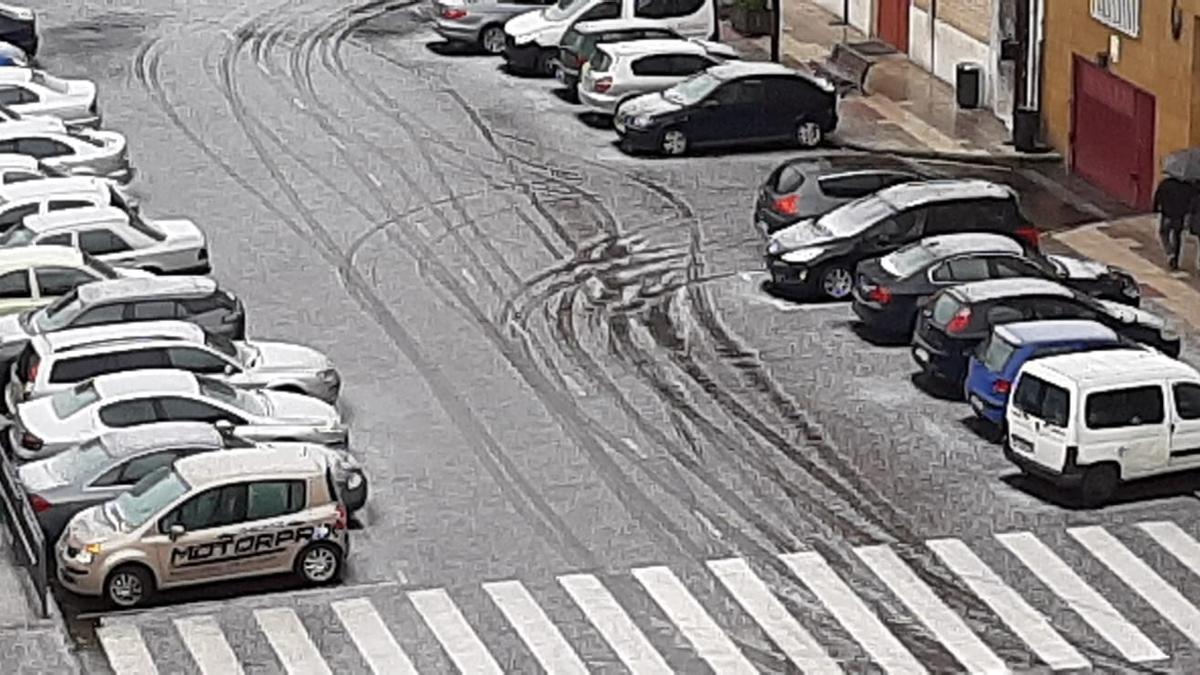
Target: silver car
479, 22
101, 468
622, 70
46, 426
103, 154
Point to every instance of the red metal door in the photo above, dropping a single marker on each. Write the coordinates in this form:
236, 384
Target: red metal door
891, 23
1112, 134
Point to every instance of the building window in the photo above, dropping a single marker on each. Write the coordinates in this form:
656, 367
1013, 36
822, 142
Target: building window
1122, 15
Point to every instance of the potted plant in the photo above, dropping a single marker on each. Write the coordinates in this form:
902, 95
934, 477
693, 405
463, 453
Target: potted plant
751, 18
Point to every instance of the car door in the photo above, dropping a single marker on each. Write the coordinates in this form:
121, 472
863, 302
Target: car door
732, 113
1051, 308
66, 204
186, 409
13, 215
12, 97
1129, 424
100, 314
891, 233
127, 413
1185, 423
791, 100
43, 148
653, 73
958, 270
1011, 267
152, 310
273, 511
106, 245
196, 359
686, 17
15, 292
211, 521
55, 281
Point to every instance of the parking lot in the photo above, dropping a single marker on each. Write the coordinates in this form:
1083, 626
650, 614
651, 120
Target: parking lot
558, 360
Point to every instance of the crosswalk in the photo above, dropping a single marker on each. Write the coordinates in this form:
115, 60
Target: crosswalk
1013, 602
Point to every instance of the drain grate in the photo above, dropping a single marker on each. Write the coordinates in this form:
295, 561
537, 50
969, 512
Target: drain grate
872, 48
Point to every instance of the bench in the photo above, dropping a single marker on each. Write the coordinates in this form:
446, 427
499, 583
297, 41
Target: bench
845, 68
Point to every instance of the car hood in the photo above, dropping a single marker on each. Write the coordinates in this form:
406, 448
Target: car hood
523, 27
284, 356
804, 234
38, 418
89, 526
1132, 315
649, 104
36, 123
1079, 268
11, 330
36, 476
82, 89
291, 408
180, 231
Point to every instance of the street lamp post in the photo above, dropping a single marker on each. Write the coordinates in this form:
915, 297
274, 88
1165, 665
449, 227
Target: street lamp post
776, 29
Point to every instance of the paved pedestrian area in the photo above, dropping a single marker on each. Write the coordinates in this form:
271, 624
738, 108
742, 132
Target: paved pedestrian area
1018, 601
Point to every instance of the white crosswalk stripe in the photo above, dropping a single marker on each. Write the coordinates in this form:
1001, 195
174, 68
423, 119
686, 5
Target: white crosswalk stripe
291, 642
206, 642
614, 625
1176, 542
372, 637
451, 629
542, 637
126, 650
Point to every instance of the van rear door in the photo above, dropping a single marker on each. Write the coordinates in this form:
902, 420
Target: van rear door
1039, 415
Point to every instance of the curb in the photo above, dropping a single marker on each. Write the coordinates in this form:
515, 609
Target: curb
975, 157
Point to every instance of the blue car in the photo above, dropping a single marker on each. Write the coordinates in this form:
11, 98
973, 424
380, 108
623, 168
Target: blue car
999, 358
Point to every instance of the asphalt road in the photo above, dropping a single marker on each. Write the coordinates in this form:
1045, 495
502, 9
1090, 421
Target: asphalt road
558, 362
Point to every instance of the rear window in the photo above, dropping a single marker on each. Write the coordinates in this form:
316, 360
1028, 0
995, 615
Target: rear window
945, 308
71, 401
908, 260
996, 352
1130, 407
852, 186
788, 179
1043, 400
18, 236
601, 62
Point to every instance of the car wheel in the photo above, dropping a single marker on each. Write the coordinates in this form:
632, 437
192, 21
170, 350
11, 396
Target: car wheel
128, 586
674, 143
836, 282
545, 65
319, 563
491, 39
809, 134
1098, 485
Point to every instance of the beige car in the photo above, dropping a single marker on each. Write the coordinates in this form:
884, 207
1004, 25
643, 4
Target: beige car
207, 518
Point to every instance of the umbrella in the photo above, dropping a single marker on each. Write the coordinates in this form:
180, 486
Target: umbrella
1184, 164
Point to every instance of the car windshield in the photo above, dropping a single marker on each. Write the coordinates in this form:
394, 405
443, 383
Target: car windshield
50, 82
18, 236
908, 261
70, 401
692, 90
83, 460
86, 137
572, 39
562, 9
148, 497
222, 344
107, 271
239, 398
855, 217
996, 352
58, 314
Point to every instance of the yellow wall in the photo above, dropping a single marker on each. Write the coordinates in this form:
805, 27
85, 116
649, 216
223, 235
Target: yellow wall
1155, 62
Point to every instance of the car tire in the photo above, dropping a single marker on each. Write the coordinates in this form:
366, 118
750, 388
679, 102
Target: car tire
673, 142
491, 39
835, 282
320, 563
128, 586
808, 134
544, 65
1098, 485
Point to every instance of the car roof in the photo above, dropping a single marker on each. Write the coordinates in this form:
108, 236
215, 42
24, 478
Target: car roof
645, 47
121, 333
991, 289
730, 70
12, 160
134, 440
1111, 366
15, 73
908, 195
66, 218
604, 25
1033, 332
150, 381
34, 256
46, 186
143, 287
250, 463
946, 245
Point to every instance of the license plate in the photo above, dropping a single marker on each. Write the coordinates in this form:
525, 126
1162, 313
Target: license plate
1021, 445
921, 354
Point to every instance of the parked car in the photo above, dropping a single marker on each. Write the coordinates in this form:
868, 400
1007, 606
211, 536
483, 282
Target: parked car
817, 258
104, 467
479, 22
46, 426
96, 153
806, 187
32, 197
280, 503
33, 278
196, 299
531, 40
958, 318
18, 27
31, 91
56, 361
620, 71
160, 246
738, 102
1090, 421
995, 364
888, 290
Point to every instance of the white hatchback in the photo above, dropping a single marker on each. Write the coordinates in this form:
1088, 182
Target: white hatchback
30, 91
622, 70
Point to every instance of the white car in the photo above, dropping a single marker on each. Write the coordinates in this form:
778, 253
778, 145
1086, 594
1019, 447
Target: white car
80, 152
46, 426
30, 91
22, 198
166, 246
622, 70
31, 278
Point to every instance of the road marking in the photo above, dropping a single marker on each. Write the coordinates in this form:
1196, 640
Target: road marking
531, 623
374, 179
761, 604
421, 228
262, 66
203, 637
945, 625
614, 625
291, 642
452, 630
372, 637
1028, 624
300, 104
574, 386
125, 649
1177, 542
1083, 599
470, 279
707, 638
1163, 597
402, 577
851, 612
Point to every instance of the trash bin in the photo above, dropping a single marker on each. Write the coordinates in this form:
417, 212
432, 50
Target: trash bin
968, 83
1025, 129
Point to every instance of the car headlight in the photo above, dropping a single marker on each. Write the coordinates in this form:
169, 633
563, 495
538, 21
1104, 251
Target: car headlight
639, 121
803, 255
87, 554
775, 247
354, 481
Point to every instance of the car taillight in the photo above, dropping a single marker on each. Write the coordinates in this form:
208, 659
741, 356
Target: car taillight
31, 442
788, 206
31, 374
343, 519
1001, 386
1030, 236
602, 85
453, 14
960, 321
39, 503
203, 254
580, 60
880, 294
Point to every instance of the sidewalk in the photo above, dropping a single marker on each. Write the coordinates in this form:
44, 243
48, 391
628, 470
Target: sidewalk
28, 643
905, 110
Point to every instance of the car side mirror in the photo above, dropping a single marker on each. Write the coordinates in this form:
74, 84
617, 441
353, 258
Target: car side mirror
230, 370
225, 427
176, 531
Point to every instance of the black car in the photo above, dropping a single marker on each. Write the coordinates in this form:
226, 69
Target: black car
954, 321
739, 102
579, 44
804, 187
887, 290
817, 258
18, 27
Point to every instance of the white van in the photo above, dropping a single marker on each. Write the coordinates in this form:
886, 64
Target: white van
1088, 421
531, 39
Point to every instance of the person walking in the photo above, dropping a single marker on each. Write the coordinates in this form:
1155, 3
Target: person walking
1174, 201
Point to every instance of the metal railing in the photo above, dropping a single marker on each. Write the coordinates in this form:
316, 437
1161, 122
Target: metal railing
23, 528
